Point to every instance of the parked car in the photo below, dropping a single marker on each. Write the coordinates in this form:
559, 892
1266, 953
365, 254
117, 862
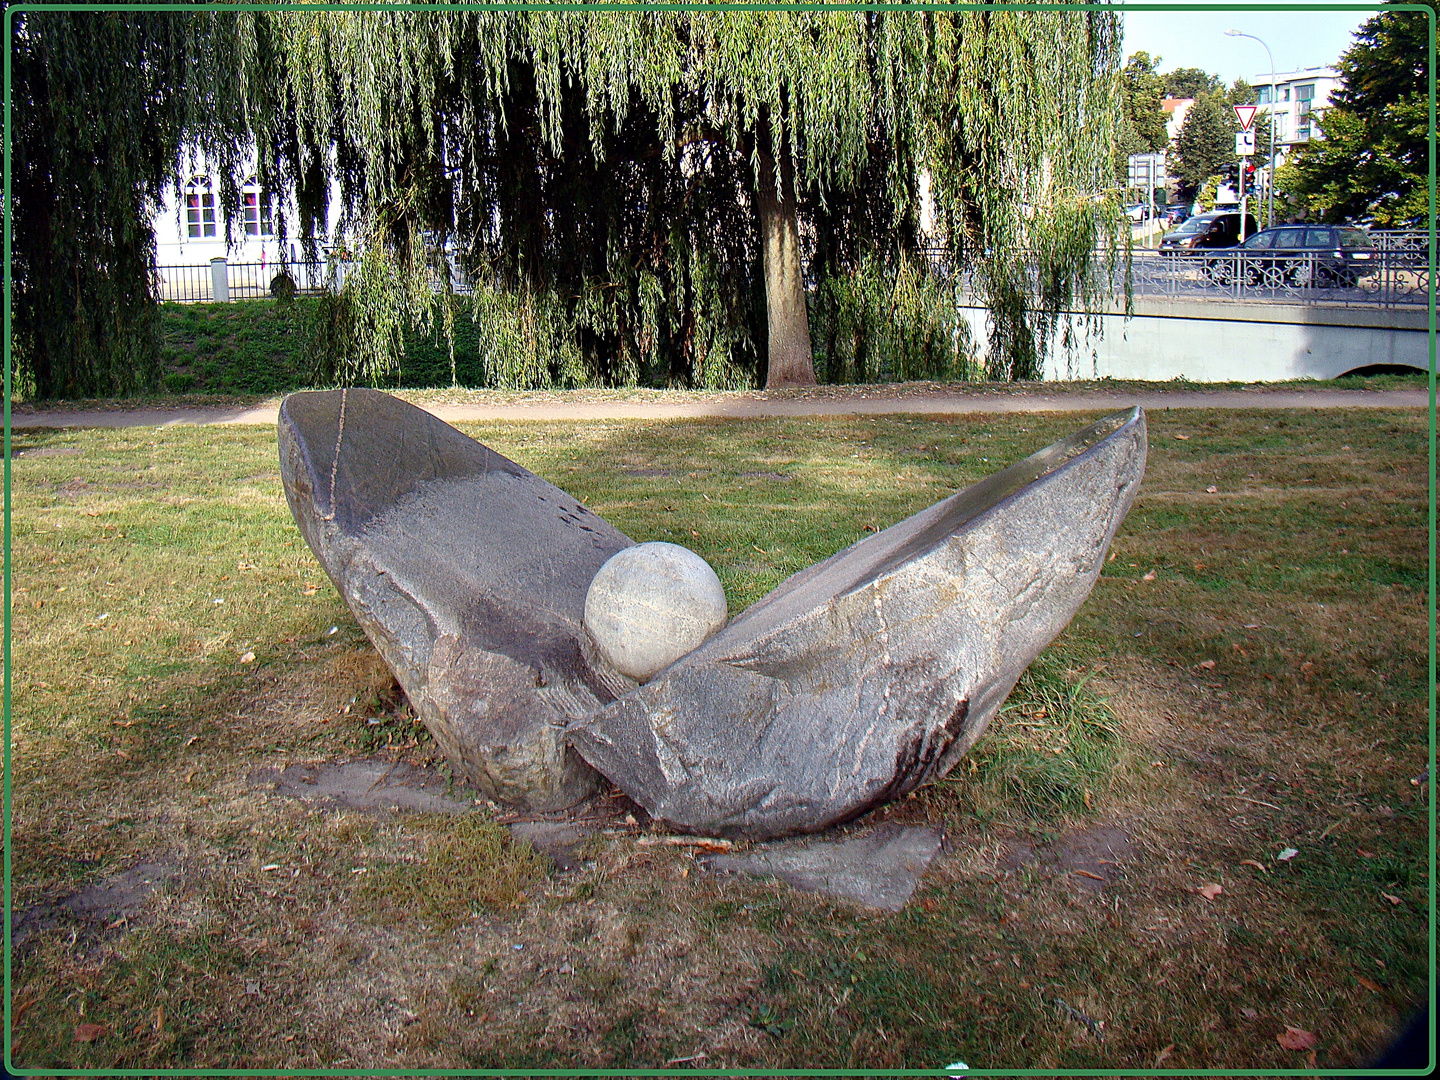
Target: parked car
1138, 212
1176, 215
1323, 255
1215, 229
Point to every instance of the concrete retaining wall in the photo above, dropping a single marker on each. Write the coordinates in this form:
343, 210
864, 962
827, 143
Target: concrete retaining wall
1223, 341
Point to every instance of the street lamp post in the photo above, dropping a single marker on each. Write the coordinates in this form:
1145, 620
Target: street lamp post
1270, 180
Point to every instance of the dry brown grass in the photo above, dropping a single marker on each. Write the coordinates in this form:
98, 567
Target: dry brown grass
262, 948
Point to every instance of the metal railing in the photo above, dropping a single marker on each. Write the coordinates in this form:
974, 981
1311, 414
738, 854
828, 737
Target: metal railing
243, 281
1392, 279
1397, 276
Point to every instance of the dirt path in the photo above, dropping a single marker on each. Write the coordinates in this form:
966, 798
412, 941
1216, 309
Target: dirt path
865, 401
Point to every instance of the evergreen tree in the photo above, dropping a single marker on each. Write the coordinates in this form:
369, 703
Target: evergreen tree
1205, 146
1374, 158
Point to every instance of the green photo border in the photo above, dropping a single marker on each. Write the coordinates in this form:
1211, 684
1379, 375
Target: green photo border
1121, 7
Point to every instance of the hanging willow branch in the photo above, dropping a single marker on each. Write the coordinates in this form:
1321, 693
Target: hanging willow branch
594, 173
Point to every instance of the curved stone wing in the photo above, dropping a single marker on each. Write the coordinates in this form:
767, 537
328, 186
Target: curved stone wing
877, 669
467, 572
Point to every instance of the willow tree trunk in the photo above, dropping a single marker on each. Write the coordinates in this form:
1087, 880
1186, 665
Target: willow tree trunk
790, 360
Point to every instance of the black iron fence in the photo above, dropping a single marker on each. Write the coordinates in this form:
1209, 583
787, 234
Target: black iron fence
234, 280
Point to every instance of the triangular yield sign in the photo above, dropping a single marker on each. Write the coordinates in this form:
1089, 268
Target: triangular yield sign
1246, 113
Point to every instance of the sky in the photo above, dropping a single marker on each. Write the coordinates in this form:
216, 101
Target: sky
1299, 38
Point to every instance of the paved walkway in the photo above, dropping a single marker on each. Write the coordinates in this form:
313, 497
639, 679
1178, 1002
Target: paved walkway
868, 402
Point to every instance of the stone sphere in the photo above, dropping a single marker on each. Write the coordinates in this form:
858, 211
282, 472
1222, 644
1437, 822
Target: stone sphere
650, 605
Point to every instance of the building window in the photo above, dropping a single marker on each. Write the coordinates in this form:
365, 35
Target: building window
1263, 96
1285, 94
199, 208
257, 212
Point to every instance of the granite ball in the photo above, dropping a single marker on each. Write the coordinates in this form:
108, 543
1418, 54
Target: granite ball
650, 604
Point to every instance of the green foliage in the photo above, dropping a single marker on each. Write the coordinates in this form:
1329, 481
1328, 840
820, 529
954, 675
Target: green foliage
1205, 146
94, 142
594, 174
1192, 83
884, 324
1141, 128
610, 176
1019, 207
1374, 159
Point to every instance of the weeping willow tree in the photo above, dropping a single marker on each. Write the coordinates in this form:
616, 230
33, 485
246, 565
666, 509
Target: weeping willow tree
647, 193
101, 106
633, 196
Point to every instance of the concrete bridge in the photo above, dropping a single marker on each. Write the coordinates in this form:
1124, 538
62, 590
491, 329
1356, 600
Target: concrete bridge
1222, 340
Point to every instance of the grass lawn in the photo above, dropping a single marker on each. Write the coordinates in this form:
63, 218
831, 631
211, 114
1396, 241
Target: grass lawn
1258, 639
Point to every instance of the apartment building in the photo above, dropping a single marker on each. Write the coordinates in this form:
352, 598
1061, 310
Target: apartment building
1296, 98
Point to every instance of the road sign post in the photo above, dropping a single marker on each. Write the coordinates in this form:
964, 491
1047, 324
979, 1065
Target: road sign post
1244, 147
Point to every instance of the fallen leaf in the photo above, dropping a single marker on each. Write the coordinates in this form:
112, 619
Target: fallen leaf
160, 1018
122, 754
1393, 899
1211, 490
310, 590
1163, 1054
247, 658
1252, 626
1149, 577
1209, 892
1373, 987
1249, 1013
123, 723
1306, 668
1256, 865
1087, 873
1364, 854
90, 1032
1206, 665
1288, 854
1182, 438
1293, 1038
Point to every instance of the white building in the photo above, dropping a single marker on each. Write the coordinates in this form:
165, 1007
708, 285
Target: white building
190, 237
1296, 98
1175, 110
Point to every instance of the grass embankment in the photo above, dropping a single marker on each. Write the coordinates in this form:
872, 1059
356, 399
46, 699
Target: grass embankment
258, 347
1259, 635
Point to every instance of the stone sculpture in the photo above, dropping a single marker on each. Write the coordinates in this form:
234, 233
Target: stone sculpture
852, 683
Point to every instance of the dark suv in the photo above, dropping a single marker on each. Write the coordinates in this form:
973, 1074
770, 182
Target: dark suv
1322, 255
1216, 229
